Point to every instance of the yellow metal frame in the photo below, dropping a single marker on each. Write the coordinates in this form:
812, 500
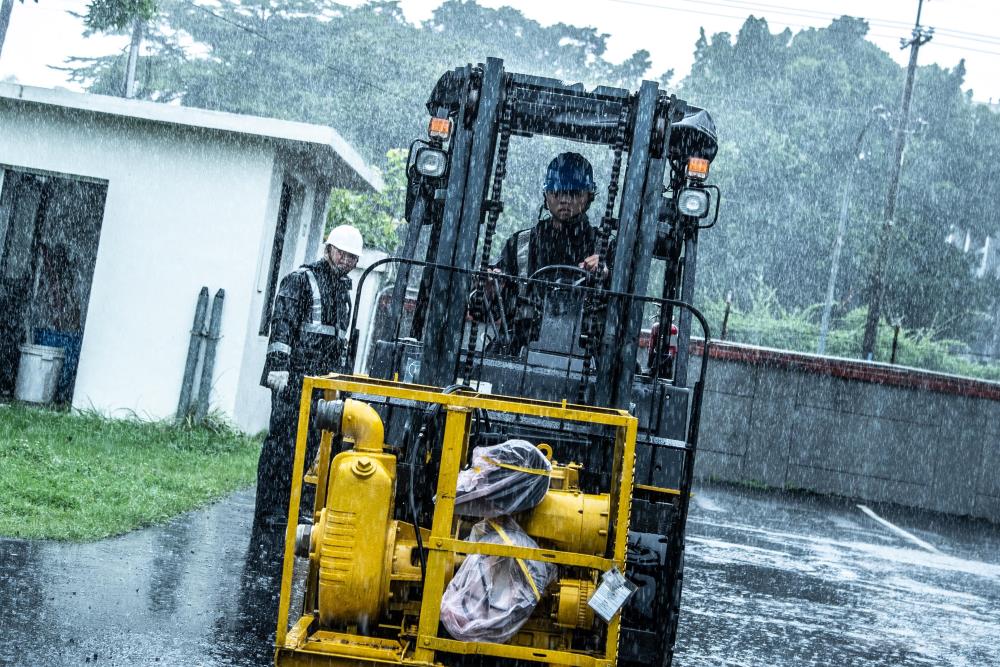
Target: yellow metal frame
297, 647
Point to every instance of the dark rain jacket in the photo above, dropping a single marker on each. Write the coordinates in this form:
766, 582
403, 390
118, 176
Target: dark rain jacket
531, 249
543, 245
309, 325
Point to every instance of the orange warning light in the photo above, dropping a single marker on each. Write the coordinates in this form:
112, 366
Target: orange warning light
439, 128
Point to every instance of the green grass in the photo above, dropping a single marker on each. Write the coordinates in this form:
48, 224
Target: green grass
67, 476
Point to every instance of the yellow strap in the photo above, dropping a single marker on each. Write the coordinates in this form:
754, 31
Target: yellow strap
509, 466
524, 567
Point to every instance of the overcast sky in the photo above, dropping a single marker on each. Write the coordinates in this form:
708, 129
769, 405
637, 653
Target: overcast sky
45, 34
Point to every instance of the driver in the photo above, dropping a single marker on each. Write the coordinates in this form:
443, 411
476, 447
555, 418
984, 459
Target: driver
562, 236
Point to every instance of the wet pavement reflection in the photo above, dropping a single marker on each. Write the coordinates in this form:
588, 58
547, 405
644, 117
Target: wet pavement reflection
172, 595
783, 579
771, 579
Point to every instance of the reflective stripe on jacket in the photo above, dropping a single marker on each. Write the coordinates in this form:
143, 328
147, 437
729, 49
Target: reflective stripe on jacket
309, 324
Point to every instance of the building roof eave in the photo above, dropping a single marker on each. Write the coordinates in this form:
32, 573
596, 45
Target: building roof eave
329, 148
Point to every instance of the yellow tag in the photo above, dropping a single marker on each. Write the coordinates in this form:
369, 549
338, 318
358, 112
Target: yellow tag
508, 466
524, 567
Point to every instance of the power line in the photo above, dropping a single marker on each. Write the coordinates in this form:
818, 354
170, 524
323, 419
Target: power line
257, 33
361, 81
971, 36
967, 48
638, 3
962, 34
809, 109
741, 4
789, 11
235, 24
796, 11
693, 11
801, 14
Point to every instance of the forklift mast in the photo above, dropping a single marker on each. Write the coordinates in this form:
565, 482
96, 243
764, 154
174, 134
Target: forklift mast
652, 135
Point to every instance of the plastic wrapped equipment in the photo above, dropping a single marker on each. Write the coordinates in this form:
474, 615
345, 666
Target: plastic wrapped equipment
503, 479
490, 597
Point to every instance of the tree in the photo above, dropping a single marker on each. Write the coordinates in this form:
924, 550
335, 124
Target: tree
789, 108
376, 215
363, 70
107, 15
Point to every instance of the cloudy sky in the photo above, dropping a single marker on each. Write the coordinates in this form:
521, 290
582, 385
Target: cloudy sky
43, 35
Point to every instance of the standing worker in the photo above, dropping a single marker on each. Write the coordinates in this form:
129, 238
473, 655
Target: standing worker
309, 335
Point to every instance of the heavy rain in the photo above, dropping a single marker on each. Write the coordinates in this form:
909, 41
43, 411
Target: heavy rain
498, 333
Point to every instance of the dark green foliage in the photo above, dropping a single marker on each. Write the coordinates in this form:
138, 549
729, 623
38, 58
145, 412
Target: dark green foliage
375, 215
789, 110
104, 15
365, 70
765, 322
789, 107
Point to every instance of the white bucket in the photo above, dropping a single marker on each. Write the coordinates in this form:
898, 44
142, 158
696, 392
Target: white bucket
38, 373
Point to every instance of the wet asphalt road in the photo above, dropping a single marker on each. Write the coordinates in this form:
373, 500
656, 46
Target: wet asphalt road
771, 579
779, 579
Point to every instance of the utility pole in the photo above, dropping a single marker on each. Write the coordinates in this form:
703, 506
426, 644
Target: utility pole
920, 36
838, 245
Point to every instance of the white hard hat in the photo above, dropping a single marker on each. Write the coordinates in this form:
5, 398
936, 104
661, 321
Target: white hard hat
346, 238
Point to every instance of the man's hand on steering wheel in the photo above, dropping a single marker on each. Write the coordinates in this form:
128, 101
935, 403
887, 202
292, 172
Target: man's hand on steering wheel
594, 264
490, 283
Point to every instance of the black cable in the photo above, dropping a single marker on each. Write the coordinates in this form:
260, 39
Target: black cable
414, 514
430, 414
741, 5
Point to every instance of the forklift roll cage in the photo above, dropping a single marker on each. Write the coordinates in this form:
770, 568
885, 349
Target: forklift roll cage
487, 105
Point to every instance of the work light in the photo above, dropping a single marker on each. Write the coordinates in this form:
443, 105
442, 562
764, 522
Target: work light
431, 162
693, 202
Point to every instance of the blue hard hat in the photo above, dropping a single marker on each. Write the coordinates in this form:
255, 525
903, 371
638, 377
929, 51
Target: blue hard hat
569, 172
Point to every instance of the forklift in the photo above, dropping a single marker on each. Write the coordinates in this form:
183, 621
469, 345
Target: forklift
609, 412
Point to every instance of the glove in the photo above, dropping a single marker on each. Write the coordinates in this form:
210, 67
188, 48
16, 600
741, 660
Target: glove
277, 380
491, 284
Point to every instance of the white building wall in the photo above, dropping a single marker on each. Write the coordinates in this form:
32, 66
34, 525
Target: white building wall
368, 302
184, 208
252, 406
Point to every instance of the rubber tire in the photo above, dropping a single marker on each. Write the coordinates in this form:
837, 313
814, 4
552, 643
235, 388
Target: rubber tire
673, 617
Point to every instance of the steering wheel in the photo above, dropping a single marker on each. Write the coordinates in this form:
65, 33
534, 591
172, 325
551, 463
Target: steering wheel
563, 269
